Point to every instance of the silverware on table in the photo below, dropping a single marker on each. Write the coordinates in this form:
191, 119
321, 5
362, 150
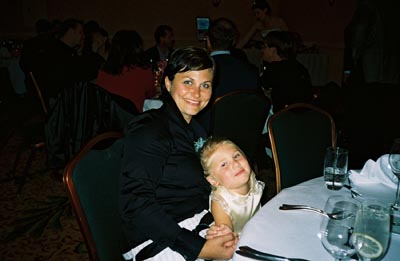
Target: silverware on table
336, 215
258, 255
354, 193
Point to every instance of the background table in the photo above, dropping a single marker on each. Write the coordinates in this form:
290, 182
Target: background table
295, 233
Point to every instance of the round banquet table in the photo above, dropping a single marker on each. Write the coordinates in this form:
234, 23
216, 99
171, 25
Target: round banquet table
295, 233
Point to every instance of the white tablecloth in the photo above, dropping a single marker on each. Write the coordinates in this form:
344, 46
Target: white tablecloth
295, 233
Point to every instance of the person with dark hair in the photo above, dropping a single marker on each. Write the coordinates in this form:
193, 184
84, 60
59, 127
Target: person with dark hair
232, 74
288, 80
165, 41
265, 22
127, 71
34, 47
163, 193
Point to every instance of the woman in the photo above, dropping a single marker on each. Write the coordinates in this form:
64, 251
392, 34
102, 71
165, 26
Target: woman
265, 22
127, 72
163, 194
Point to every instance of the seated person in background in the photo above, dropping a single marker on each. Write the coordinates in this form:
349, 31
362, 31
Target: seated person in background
127, 72
231, 74
288, 79
165, 41
265, 22
236, 193
163, 192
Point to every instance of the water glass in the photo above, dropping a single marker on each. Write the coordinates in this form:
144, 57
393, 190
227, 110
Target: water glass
335, 167
372, 230
336, 233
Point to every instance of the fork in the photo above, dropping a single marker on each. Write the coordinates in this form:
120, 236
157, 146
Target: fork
336, 215
354, 193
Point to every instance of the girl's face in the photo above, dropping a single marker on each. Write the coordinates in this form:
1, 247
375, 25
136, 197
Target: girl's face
191, 91
229, 168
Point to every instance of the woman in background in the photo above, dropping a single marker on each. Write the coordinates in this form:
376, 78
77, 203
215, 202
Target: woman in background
265, 22
127, 72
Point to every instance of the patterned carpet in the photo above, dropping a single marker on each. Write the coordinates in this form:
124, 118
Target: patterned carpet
36, 222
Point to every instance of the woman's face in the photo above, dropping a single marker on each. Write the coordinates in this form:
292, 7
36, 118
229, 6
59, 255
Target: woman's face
191, 91
268, 53
229, 168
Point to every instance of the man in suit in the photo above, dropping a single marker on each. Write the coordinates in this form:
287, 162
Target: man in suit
231, 73
165, 41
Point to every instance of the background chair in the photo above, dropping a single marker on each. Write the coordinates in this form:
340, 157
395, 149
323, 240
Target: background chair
299, 135
92, 180
240, 116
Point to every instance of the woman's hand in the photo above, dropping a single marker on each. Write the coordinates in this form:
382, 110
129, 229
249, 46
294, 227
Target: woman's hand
218, 230
221, 247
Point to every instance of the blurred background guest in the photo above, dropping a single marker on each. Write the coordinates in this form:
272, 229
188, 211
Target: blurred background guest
372, 76
165, 41
231, 74
93, 50
61, 65
127, 71
288, 80
264, 23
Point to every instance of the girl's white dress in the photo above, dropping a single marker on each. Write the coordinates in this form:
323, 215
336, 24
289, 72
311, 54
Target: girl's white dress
240, 208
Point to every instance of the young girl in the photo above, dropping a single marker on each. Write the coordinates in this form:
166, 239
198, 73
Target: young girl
236, 193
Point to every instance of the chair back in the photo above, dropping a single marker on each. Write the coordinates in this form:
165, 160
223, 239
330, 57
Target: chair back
240, 116
299, 135
39, 93
92, 181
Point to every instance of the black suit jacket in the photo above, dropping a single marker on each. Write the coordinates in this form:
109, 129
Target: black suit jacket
233, 74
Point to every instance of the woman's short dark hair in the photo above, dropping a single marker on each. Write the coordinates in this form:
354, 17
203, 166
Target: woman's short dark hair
126, 50
187, 59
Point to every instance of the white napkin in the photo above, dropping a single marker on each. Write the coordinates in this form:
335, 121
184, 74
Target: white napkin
378, 172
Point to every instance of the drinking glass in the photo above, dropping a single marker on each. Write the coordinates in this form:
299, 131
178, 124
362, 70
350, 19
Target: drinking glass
394, 162
335, 167
372, 230
336, 233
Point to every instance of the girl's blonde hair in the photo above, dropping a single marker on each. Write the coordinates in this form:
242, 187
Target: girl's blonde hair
209, 148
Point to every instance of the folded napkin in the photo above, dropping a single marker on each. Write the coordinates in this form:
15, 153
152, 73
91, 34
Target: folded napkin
378, 172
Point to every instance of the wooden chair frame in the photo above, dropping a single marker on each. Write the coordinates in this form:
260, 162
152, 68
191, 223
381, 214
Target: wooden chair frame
39, 92
74, 197
272, 136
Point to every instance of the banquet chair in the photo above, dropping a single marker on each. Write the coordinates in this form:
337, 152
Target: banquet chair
91, 179
299, 135
240, 116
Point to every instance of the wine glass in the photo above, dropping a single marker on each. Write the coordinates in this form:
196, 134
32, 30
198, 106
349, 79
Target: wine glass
394, 162
336, 233
372, 230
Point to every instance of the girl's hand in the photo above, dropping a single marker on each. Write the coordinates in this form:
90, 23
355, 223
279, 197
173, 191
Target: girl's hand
218, 230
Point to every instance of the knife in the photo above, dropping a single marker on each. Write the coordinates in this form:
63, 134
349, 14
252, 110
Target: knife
258, 255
